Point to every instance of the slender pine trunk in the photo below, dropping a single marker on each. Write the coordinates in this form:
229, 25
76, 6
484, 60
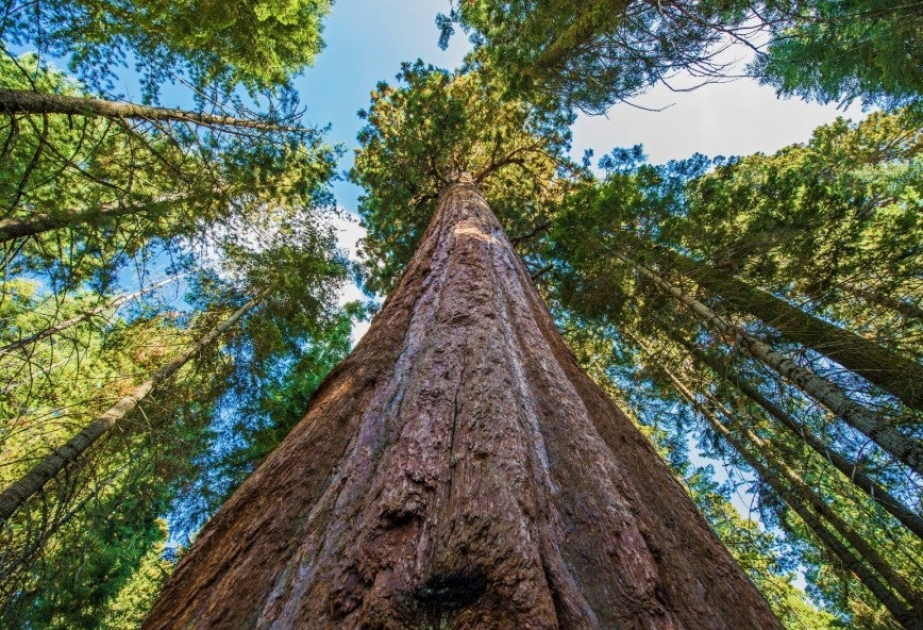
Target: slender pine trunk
23, 489
459, 470
84, 316
896, 594
40, 222
30, 102
905, 449
592, 18
895, 374
849, 469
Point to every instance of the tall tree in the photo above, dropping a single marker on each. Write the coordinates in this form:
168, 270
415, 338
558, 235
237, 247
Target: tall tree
260, 45
593, 54
457, 470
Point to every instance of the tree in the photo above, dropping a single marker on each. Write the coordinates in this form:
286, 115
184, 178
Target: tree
593, 54
259, 45
843, 51
459, 469
434, 125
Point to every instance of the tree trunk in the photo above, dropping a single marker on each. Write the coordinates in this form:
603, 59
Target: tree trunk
905, 449
30, 102
30, 484
850, 470
85, 315
814, 511
893, 373
592, 19
41, 222
459, 470
884, 300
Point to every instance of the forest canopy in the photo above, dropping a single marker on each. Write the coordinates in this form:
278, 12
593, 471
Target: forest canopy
173, 282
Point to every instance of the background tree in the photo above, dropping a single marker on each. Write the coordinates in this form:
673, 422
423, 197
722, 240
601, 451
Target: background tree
665, 216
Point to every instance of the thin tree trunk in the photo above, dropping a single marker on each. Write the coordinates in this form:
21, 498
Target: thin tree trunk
893, 373
85, 315
30, 102
903, 448
813, 510
41, 222
459, 470
20, 491
850, 470
907, 309
591, 19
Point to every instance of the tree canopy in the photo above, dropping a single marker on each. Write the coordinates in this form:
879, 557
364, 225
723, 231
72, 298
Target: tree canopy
171, 278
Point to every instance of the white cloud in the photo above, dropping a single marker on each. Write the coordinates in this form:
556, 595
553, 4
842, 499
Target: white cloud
735, 118
349, 232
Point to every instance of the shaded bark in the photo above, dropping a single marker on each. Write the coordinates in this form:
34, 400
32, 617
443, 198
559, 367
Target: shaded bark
891, 372
905, 449
31, 102
29, 485
459, 470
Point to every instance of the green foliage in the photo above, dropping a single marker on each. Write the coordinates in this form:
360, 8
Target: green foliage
844, 51
143, 188
435, 125
593, 54
259, 45
843, 206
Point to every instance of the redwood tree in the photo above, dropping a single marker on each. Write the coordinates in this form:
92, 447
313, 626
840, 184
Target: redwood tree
460, 470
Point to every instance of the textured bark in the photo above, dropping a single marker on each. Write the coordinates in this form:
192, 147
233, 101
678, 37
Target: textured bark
893, 373
459, 470
23, 489
905, 449
30, 102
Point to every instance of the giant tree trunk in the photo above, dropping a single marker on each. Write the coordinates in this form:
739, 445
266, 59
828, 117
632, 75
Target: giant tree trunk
459, 470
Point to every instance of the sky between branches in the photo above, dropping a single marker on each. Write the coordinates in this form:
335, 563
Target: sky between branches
367, 41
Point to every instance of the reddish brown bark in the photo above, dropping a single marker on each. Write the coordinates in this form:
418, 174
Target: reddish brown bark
459, 470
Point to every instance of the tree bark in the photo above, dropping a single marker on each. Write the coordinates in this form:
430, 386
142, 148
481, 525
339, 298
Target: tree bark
85, 315
849, 469
905, 449
30, 102
893, 373
20, 491
459, 470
